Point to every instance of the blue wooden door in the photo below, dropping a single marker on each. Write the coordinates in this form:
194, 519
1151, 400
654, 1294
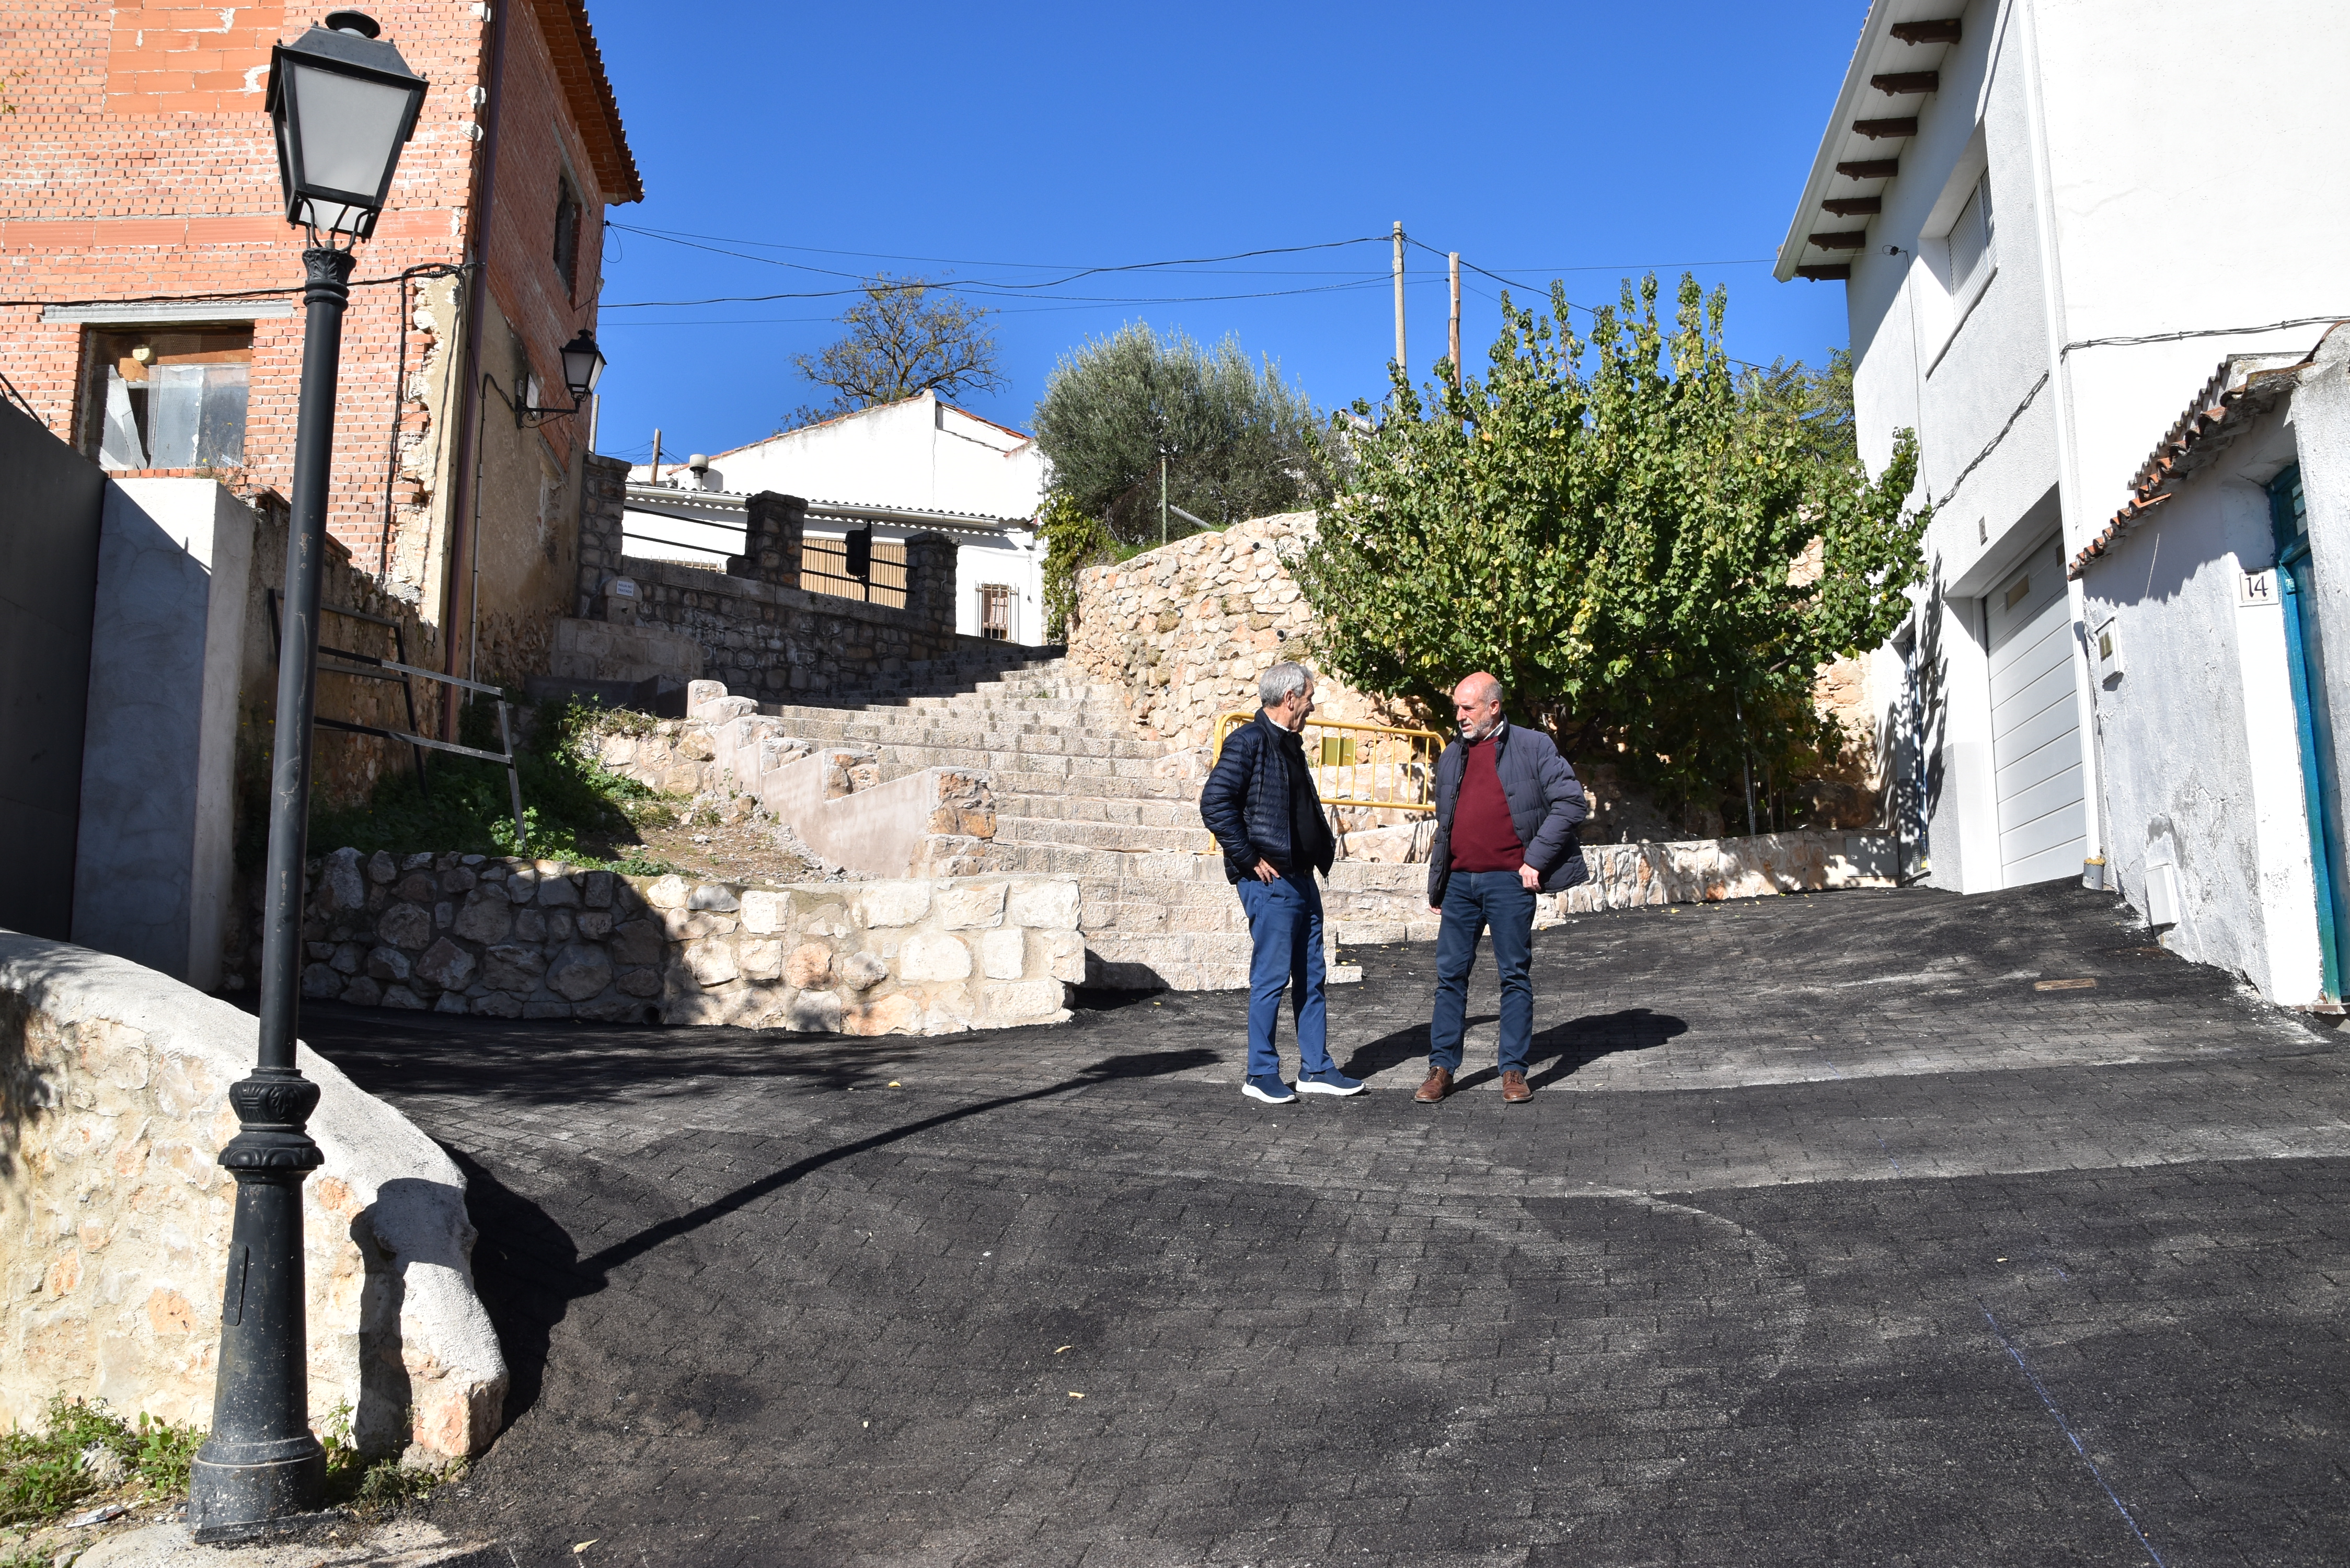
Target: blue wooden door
2305, 662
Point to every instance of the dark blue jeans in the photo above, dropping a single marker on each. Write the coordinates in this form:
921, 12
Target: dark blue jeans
1286, 928
1475, 901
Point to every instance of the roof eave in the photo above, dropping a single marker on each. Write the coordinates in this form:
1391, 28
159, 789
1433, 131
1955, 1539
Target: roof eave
1873, 33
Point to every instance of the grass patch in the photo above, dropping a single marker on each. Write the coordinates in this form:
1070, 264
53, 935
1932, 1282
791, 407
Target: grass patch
84, 1448
574, 810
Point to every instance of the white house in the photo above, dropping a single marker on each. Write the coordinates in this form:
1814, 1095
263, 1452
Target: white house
900, 468
2050, 217
2212, 599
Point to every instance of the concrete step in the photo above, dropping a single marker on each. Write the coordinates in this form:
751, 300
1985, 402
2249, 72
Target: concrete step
1131, 838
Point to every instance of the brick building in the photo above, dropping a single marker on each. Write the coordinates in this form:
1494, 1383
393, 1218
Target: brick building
148, 284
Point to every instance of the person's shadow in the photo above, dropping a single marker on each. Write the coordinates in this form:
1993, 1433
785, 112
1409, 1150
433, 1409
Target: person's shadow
1557, 1052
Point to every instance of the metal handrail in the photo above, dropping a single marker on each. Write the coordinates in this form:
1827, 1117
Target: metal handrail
1362, 765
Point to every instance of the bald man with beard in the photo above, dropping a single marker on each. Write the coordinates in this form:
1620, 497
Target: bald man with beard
1507, 807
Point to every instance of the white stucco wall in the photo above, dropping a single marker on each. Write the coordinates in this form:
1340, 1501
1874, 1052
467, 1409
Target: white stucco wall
2202, 766
2124, 208
920, 455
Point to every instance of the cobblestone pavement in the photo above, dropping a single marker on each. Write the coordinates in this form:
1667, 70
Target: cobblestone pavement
1832, 1237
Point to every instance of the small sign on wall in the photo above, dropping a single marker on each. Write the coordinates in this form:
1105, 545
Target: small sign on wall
2256, 588
2106, 648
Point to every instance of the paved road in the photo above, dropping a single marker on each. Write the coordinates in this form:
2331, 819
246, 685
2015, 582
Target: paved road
1830, 1239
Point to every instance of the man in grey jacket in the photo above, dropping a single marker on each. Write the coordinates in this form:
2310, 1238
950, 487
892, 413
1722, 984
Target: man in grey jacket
1507, 806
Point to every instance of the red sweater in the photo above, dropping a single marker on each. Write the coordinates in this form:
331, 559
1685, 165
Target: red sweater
1482, 837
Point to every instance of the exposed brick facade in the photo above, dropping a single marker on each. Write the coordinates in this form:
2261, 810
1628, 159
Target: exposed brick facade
140, 164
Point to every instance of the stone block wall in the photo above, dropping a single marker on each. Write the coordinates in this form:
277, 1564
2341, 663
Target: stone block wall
1186, 630
115, 1215
781, 644
603, 497
506, 938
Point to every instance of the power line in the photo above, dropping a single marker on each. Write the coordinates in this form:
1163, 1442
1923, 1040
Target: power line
1070, 277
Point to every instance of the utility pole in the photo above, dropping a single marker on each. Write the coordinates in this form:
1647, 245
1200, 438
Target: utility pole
1402, 364
1163, 498
652, 472
1456, 319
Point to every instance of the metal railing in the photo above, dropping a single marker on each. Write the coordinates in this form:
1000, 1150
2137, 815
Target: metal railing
824, 569
1363, 765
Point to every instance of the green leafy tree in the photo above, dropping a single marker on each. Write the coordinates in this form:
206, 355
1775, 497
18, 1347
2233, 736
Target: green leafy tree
1234, 435
901, 342
1655, 566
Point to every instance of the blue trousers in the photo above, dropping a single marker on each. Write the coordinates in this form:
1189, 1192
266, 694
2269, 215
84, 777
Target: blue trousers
1285, 933
1474, 902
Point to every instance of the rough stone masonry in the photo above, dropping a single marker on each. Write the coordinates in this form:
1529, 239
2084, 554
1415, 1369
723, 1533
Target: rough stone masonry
507, 937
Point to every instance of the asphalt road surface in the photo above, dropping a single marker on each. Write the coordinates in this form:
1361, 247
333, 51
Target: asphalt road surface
1831, 1236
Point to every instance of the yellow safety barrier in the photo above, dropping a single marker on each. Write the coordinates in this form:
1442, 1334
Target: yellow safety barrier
1363, 765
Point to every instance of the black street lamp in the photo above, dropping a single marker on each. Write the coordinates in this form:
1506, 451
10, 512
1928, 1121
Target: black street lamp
343, 104
583, 367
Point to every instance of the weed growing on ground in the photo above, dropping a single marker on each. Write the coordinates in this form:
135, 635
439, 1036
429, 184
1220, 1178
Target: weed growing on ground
372, 1488
85, 1448
574, 810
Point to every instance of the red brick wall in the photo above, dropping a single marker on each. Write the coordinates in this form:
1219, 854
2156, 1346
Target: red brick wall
140, 162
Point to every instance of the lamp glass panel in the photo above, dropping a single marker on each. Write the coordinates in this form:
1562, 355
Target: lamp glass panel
582, 365
349, 132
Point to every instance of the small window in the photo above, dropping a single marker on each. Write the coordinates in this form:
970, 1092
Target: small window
166, 397
1969, 238
566, 236
996, 611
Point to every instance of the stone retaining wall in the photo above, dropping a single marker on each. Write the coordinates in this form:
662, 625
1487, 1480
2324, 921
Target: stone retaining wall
1382, 897
113, 1110
509, 938
1186, 630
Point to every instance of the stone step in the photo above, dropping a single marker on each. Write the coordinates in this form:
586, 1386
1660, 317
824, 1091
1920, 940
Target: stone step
1020, 784
998, 764
1132, 838
1041, 742
1138, 810
1069, 860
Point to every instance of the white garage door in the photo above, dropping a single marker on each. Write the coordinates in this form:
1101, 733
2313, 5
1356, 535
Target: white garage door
2035, 733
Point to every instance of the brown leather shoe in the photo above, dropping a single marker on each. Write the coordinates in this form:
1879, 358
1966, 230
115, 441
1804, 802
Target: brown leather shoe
1515, 1090
1438, 1085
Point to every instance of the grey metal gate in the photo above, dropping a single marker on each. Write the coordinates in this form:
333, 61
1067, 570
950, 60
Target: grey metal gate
51, 498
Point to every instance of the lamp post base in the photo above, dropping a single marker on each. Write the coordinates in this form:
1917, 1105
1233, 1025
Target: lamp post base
253, 1487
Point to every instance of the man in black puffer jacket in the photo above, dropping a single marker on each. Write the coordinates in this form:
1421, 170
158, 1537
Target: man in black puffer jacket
1262, 805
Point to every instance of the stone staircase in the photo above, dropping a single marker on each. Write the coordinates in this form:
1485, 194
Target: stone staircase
1076, 795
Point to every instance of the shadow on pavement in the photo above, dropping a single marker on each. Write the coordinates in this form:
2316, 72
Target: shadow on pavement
1566, 1047
529, 1270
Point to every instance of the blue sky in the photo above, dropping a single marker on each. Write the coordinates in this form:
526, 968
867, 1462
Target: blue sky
1011, 145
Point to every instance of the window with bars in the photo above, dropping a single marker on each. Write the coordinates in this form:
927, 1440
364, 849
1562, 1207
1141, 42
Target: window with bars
166, 397
996, 611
